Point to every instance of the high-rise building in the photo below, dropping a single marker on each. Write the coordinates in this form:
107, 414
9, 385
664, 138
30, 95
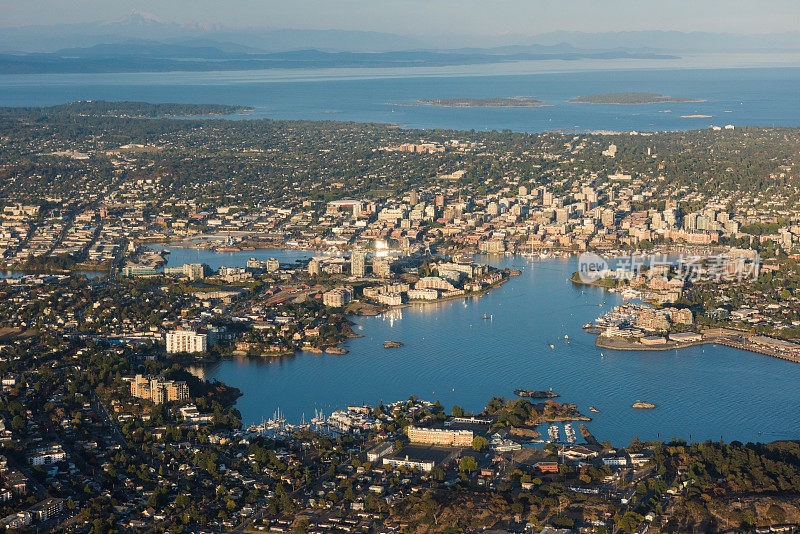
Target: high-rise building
186, 341
313, 267
358, 262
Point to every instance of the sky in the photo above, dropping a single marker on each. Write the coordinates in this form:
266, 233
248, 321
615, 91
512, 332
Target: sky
429, 17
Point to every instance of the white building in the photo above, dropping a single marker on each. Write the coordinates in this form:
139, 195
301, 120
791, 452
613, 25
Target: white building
186, 341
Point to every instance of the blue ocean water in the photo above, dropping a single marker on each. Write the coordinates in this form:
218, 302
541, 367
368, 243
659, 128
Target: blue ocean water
453, 355
739, 96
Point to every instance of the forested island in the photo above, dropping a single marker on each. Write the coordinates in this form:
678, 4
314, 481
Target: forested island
507, 102
630, 99
131, 110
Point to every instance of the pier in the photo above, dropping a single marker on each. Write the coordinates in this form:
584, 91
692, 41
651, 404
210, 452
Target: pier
768, 346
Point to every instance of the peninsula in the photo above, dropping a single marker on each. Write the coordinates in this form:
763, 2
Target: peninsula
630, 99
123, 110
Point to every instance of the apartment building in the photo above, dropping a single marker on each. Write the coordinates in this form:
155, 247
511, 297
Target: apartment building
441, 437
186, 341
159, 390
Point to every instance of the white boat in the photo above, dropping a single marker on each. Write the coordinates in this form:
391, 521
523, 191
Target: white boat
569, 432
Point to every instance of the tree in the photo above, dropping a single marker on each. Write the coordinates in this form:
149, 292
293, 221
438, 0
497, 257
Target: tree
479, 443
776, 514
438, 473
17, 423
629, 522
468, 464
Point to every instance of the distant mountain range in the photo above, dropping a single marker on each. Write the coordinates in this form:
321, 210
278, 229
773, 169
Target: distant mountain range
138, 26
140, 43
143, 27
153, 56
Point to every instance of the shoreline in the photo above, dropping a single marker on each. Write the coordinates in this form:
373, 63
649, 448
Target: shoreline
605, 342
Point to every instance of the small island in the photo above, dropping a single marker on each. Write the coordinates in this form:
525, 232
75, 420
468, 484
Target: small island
507, 102
531, 394
630, 99
643, 405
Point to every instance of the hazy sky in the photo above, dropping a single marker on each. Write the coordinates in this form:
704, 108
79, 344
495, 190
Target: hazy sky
426, 17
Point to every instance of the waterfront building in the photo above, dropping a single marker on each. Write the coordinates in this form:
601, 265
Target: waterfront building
440, 436
390, 299
138, 270
493, 246
158, 390
685, 337
273, 265
576, 453
338, 297
422, 294
371, 292
186, 341
434, 282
